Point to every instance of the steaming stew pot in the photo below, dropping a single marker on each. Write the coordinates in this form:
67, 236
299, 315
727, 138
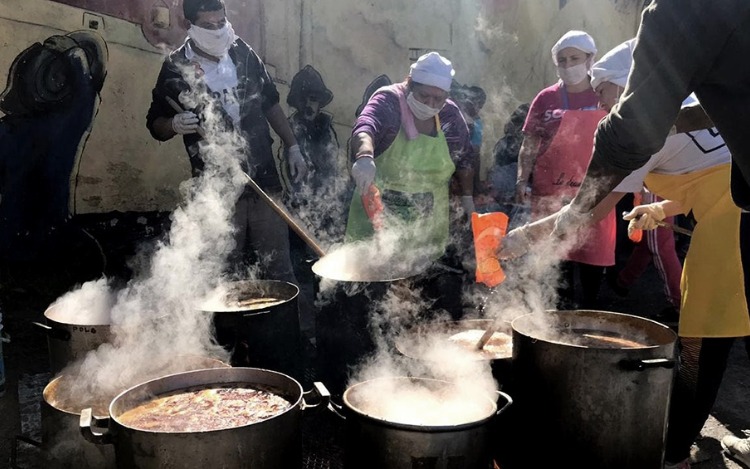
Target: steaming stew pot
599, 381
460, 335
69, 338
435, 340
65, 397
350, 281
258, 321
404, 422
257, 424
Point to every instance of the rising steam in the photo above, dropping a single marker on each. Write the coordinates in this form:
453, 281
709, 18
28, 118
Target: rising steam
156, 319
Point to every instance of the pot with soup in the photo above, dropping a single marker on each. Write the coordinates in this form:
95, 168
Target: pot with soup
229, 418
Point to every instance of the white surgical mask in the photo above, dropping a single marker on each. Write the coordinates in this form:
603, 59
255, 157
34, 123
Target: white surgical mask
573, 75
215, 42
420, 110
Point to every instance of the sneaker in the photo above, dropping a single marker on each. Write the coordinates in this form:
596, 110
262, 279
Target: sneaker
737, 448
678, 465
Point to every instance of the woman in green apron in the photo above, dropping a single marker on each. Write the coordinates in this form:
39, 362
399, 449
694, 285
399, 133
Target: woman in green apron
408, 142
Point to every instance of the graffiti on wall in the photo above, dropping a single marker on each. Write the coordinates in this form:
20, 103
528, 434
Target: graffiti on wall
162, 21
49, 105
316, 136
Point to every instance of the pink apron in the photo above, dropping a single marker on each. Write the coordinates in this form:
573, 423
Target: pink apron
558, 173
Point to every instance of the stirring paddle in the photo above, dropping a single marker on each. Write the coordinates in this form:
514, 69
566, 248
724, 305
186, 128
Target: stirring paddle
488, 334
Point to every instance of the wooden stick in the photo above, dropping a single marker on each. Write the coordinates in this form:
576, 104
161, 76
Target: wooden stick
488, 334
281, 211
675, 228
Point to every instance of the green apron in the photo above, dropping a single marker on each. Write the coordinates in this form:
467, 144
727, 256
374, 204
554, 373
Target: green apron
412, 176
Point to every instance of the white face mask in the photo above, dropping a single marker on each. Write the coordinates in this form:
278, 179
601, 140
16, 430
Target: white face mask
215, 42
573, 75
420, 110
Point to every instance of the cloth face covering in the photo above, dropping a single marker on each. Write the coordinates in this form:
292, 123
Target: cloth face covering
573, 75
215, 42
420, 110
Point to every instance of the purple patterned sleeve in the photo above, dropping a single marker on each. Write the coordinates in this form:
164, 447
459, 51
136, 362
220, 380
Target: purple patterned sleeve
457, 135
381, 119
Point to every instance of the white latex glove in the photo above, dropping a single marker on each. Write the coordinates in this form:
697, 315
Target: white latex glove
185, 123
568, 221
363, 172
515, 244
467, 202
645, 217
297, 164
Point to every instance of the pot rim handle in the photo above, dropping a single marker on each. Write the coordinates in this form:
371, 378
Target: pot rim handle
87, 421
338, 410
256, 313
508, 402
319, 389
54, 332
644, 364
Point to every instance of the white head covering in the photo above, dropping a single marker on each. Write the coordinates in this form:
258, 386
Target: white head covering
614, 67
434, 70
578, 39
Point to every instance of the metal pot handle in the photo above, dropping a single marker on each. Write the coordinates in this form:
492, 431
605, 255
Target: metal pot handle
255, 313
55, 333
324, 397
508, 402
87, 421
337, 410
641, 365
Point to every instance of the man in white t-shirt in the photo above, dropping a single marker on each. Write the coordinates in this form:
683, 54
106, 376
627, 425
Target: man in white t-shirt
215, 64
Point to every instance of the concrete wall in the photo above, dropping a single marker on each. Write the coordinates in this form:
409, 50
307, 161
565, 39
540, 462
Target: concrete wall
501, 45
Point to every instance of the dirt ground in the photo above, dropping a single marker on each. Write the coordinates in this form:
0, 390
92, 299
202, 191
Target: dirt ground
27, 366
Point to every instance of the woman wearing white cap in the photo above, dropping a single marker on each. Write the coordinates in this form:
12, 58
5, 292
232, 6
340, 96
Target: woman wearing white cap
692, 172
558, 139
409, 140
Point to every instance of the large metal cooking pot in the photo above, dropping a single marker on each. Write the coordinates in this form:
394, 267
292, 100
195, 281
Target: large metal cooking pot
416, 342
269, 444
62, 444
350, 284
258, 321
69, 339
375, 442
597, 384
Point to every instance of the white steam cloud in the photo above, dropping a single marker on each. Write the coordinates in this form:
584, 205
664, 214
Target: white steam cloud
156, 321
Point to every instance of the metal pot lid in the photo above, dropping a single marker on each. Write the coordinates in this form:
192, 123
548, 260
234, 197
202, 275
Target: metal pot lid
366, 262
